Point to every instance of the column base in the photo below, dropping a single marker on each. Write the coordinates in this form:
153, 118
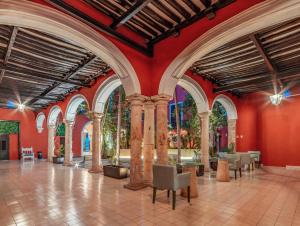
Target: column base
68, 164
206, 169
135, 187
98, 170
148, 183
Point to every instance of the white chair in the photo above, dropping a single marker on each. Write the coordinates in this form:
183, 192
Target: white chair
27, 153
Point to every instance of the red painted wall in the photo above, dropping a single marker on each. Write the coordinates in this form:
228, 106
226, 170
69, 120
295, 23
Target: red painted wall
80, 122
13, 147
278, 130
29, 135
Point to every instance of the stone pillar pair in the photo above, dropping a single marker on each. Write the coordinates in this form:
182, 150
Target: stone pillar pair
137, 179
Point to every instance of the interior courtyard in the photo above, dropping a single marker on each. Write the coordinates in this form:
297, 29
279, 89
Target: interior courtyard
149, 112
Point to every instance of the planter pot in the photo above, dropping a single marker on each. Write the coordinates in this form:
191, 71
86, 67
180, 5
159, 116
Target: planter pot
200, 170
214, 165
58, 160
40, 155
118, 172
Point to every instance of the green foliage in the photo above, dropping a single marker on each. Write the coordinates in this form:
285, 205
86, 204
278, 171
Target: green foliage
192, 124
110, 124
61, 130
9, 127
197, 156
82, 109
218, 118
61, 151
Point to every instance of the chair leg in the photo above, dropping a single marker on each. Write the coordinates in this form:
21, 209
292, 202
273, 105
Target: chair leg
240, 172
154, 195
174, 199
189, 194
168, 193
235, 174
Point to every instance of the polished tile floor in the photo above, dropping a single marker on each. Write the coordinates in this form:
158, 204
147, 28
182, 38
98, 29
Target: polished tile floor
47, 194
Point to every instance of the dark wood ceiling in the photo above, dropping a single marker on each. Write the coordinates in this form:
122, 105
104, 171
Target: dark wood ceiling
267, 59
38, 69
152, 20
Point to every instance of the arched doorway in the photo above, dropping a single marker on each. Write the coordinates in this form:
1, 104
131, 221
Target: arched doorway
54, 116
77, 108
87, 139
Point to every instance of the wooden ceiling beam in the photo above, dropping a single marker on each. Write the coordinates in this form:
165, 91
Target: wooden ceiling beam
9, 49
148, 51
28, 74
131, 12
253, 82
192, 5
179, 8
69, 75
189, 21
267, 61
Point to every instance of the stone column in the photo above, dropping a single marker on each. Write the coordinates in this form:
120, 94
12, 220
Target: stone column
161, 103
136, 176
97, 144
68, 142
148, 149
51, 144
204, 117
231, 125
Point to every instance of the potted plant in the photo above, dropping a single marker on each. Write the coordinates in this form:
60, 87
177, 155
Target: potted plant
115, 170
213, 161
197, 159
59, 159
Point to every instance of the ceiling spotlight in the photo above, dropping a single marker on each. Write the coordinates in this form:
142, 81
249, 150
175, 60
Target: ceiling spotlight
276, 99
21, 107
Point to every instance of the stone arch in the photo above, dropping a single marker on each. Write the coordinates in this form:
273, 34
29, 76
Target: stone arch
196, 92
267, 13
35, 16
228, 105
53, 115
40, 118
72, 106
103, 92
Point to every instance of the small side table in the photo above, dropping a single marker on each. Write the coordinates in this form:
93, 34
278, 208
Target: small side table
223, 171
191, 167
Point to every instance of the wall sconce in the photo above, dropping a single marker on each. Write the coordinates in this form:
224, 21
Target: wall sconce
276, 99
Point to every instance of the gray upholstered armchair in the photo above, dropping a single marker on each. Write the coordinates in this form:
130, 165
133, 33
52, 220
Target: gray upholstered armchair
235, 165
165, 177
247, 160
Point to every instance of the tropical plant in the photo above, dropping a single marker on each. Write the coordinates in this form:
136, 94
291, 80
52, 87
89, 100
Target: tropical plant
61, 151
61, 130
111, 122
192, 139
197, 156
9, 127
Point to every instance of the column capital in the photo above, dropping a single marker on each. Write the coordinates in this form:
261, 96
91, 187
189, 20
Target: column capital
96, 115
233, 120
51, 126
161, 99
68, 122
205, 114
149, 104
137, 99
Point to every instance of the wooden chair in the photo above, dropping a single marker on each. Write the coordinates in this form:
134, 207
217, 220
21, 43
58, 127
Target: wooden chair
27, 153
